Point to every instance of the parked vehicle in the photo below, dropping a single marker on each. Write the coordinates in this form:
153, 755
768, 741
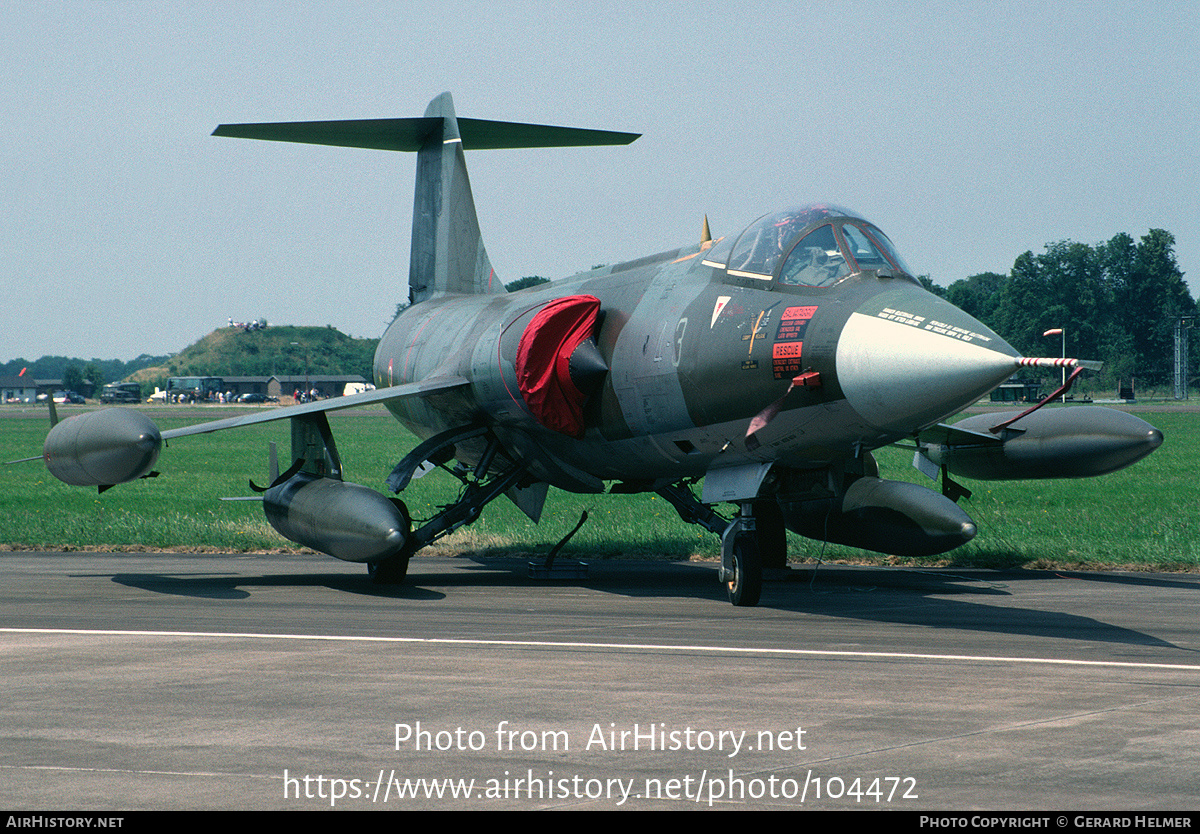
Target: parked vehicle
121, 392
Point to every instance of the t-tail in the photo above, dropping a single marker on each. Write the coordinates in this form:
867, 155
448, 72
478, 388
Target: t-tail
448, 256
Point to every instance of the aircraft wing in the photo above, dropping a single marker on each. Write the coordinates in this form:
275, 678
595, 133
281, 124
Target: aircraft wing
422, 388
115, 445
947, 435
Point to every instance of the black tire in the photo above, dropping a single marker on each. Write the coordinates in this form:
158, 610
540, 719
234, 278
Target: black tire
390, 571
772, 534
745, 585
393, 569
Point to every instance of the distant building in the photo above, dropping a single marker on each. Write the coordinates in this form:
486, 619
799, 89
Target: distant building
211, 388
18, 389
1018, 391
283, 387
326, 386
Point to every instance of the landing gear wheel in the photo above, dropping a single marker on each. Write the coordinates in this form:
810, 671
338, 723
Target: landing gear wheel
389, 571
772, 535
744, 583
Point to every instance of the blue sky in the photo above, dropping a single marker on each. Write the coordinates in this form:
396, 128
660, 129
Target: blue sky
969, 132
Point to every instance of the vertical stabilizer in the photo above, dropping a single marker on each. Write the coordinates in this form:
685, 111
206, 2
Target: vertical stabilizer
447, 250
448, 256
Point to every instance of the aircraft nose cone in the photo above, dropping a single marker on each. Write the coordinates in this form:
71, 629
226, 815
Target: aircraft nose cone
907, 359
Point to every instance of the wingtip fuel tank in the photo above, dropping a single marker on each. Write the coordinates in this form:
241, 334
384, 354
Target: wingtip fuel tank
102, 448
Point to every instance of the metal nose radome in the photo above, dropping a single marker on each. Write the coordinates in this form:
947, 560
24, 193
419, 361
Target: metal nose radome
907, 359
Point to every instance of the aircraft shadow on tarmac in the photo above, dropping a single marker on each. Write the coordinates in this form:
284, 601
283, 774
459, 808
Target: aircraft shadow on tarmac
235, 586
930, 598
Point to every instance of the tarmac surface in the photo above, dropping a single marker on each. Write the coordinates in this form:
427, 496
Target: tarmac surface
170, 681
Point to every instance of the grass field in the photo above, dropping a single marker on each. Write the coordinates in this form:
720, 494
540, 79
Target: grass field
1147, 516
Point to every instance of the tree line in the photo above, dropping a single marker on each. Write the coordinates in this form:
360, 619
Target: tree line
72, 370
1118, 301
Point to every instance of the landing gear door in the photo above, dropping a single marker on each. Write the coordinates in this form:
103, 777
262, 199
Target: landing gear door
734, 483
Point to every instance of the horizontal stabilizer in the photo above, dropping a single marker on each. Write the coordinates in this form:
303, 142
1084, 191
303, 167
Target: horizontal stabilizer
448, 256
411, 134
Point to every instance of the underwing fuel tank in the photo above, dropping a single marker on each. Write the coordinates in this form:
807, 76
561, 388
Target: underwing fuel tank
1076, 442
102, 448
885, 516
349, 521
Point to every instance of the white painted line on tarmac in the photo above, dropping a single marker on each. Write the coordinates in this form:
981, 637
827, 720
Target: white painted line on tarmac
568, 645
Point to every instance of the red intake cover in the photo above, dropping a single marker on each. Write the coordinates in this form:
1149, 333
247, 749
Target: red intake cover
544, 357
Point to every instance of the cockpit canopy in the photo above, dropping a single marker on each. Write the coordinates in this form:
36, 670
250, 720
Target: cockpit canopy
811, 246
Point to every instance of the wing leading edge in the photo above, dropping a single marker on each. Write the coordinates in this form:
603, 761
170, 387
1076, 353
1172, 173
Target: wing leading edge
116, 445
422, 388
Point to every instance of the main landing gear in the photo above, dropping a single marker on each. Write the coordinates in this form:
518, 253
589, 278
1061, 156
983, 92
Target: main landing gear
753, 540
390, 571
742, 561
479, 488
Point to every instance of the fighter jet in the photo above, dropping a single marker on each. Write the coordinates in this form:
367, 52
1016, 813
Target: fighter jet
745, 379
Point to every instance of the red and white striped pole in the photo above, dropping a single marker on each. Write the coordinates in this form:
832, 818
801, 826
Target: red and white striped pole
1061, 332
